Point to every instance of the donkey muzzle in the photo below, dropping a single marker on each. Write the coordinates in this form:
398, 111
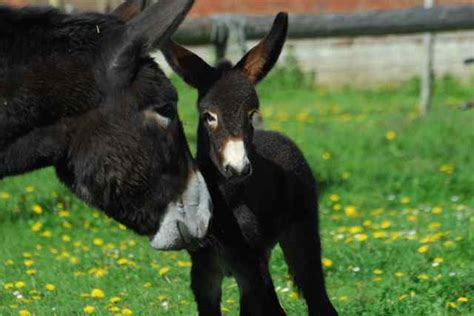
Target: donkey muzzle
186, 220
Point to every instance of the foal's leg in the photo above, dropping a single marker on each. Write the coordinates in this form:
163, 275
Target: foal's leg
206, 280
257, 293
302, 250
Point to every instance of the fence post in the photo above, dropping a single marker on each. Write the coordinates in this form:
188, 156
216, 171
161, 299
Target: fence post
228, 36
427, 75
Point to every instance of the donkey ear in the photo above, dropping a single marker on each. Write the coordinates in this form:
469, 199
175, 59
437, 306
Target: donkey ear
258, 62
129, 9
147, 31
189, 66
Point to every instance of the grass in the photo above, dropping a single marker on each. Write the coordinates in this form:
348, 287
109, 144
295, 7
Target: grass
397, 200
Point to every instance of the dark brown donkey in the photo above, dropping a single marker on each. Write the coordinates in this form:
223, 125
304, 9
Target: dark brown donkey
262, 188
80, 93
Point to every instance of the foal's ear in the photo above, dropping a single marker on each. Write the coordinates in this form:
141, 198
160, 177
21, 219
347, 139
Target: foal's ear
258, 62
189, 66
129, 9
145, 32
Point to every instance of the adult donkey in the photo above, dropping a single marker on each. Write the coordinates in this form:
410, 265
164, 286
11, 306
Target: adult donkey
80, 93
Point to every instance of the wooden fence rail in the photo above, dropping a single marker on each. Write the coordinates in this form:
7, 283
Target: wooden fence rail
199, 31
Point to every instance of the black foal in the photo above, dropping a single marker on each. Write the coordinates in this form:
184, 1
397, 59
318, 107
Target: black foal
262, 188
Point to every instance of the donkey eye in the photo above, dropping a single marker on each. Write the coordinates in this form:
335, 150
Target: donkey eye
252, 114
210, 119
168, 110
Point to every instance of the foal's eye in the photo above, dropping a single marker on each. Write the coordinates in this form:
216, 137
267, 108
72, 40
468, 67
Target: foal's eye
210, 119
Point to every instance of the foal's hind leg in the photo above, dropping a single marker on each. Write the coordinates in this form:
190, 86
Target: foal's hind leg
302, 250
206, 281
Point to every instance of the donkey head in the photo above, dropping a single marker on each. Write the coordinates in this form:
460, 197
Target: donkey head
120, 145
143, 161
228, 101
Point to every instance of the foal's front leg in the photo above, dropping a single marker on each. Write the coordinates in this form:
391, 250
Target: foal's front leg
206, 281
257, 293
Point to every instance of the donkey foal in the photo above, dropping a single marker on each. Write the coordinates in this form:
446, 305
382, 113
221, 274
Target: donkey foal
261, 186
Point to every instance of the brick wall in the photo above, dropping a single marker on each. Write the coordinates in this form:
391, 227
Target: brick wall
260, 7
206, 7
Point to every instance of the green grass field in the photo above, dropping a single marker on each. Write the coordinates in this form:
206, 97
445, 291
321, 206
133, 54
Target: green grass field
397, 200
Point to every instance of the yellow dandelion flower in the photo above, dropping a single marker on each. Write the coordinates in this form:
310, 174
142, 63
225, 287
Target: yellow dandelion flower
423, 249
31, 271
63, 213
334, 198
97, 293
162, 298
355, 229
126, 311
434, 225
8, 286
437, 210
423, 276
385, 224
367, 223
122, 261
399, 274
37, 209
377, 279
20, 284
379, 234
230, 302
350, 211
326, 262
66, 238
378, 271
30, 189
403, 297
66, 225
405, 200
36, 227
89, 309
184, 264
9, 262
438, 260
115, 299
361, 237
46, 234
303, 117
28, 263
98, 242
452, 305
463, 299
5, 195
114, 309
448, 244
337, 207
24, 312
147, 285
447, 168
50, 287
163, 271
326, 155
390, 135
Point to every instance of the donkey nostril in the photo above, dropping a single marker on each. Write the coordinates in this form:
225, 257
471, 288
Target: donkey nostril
247, 170
227, 169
